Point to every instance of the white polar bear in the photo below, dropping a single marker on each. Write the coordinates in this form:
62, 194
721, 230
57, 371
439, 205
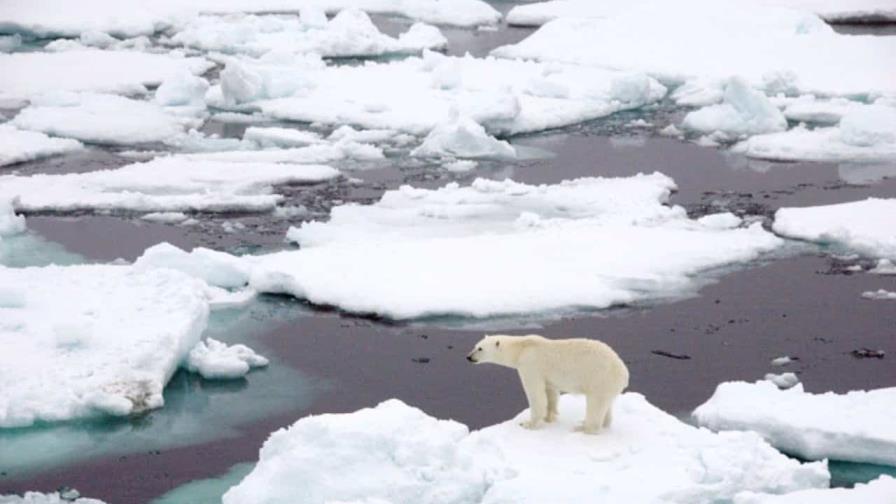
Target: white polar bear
547, 367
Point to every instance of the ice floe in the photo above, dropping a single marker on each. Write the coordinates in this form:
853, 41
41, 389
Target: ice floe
109, 348
215, 268
856, 426
879, 294
463, 138
171, 184
216, 360
349, 33
10, 223
182, 89
866, 227
397, 453
884, 267
415, 95
743, 111
274, 137
713, 41
17, 146
879, 491
65, 497
783, 380
28, 74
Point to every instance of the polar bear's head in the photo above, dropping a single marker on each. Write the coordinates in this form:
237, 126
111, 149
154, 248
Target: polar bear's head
487, 350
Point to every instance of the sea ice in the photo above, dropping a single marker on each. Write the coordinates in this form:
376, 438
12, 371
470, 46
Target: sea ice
783, 380
273, 137
168, 184
743, 111
397, 453
182, 89
17, 146
216, 360
884, 267
879, 491
110, 347
10, 223
856, 426
215, 268
462, 137
866, 227
46, 498
879, 294
29, 74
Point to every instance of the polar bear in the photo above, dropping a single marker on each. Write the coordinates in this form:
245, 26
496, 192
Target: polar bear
547, 367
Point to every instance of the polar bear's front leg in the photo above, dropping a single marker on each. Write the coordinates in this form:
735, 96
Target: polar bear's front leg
536, 393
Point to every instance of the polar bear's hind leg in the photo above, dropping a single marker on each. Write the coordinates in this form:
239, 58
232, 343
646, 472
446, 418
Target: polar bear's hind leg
595, 413
552, 404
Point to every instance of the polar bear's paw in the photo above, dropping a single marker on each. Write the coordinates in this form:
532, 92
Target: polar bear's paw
588, 429
531, 425
551, 417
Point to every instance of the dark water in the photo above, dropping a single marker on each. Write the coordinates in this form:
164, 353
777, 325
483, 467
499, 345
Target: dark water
806, 305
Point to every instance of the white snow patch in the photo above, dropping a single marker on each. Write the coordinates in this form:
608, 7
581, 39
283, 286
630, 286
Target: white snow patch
216, 360
109, 348
17, 146
856, 426
405, 455
866, 227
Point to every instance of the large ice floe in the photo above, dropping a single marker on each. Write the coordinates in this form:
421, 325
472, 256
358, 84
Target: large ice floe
29, 74
866, 227
710, 41
109, 347
503, 248
349, 33
17, 146
879, 491
130, 18
414, 95
538, 13
165, 184
397, 453
856, 426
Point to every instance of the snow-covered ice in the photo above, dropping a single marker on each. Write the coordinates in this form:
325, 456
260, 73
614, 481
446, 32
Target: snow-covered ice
783, 380
17, 146
856, 426
350, 33
416, 94
463, 138
182, 89
45, 498
743, 111
110, 347
714, 40
879, 491
10, 223
397, 453
274, 137
28, 74
884, 267
782, 361
879, 294
866, 227
213, 267
216, 360
171, 184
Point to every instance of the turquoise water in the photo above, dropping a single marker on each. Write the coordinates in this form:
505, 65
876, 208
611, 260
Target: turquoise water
30, 249
206, 491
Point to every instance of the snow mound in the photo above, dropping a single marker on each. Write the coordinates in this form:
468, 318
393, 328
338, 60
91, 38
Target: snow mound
216, 360
397, 453
856, 426
414, 95
866, 227
29, 74
109, 348
17, 146
743, 111
45, 498
879, 491
715, 40
172, 184
501, 248
462, 137
350, 33
101, 119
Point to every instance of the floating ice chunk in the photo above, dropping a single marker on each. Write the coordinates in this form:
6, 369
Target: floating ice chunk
724, 220
869, 126
102, 119
879, 294
109, 348
173, 184
46, 498
408, 456
10, 223
866, 227
856, 426
267, 137
28, 74
884, 267
165, 217
220, 299
348, 133
316, 153
809, 109
215, 360
182, 89
782, 361
743, 111
671, 131
879, 491
783, 380
216, 268
464, 138
17, 146
350, 33
661, 39
460, 166
819, 144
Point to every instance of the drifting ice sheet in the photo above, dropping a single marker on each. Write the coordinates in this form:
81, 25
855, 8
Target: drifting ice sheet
162, 185
83, 340
17, 146
216, 360
857, 426
27, 74
867, 227
406, 456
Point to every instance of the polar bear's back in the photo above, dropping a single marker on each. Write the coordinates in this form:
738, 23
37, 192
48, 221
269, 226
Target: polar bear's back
576, 364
